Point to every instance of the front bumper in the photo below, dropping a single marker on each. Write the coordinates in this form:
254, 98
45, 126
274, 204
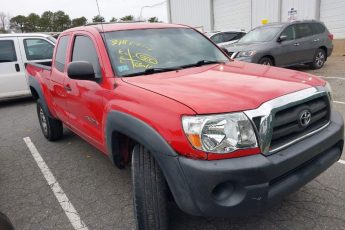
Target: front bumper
239, 186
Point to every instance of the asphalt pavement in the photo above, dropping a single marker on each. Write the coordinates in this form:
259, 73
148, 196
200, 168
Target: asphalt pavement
101, 194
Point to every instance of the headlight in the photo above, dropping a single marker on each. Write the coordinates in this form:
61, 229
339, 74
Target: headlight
329, 91
246, 54
219, 133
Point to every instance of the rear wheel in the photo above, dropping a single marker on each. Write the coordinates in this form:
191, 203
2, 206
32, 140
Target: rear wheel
52, 129
319, 59
266, 61
150, 191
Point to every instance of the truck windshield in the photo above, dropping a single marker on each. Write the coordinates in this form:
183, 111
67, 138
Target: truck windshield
139, 52
261, 34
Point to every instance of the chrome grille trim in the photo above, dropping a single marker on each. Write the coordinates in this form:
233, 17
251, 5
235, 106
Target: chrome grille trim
268, 109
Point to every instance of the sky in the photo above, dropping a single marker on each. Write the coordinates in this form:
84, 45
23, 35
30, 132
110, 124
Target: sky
87, 8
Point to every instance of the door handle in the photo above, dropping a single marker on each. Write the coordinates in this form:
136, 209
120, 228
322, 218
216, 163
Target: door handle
68, 88
17, 67
296, 44
316, 40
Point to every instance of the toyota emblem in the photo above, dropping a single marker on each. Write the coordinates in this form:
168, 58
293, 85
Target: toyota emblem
305, 118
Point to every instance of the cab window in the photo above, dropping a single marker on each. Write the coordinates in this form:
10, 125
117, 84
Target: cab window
7, 51
38, 49
60, 59
84, 50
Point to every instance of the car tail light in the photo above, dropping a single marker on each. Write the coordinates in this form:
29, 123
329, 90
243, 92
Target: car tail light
331, 36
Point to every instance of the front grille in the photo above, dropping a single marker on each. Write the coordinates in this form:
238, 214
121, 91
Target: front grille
288, 127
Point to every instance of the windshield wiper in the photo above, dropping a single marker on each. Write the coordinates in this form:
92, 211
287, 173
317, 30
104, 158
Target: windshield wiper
203, 62
152, 71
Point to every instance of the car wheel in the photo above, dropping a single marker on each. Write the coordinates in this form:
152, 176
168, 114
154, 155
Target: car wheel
266, 61
150, 191
319, 59
52, 129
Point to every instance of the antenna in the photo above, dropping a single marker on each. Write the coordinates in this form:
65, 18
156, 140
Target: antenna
99, 13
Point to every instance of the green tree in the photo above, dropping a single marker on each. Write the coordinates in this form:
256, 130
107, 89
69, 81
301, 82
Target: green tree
127, 18
62, 21
79, 22
47, 21
32, 23
98, 18
153, 19
18, 22
113, 19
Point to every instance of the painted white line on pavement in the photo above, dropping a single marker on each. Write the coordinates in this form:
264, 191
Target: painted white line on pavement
66, 205
339, 78
341, 162
339, 102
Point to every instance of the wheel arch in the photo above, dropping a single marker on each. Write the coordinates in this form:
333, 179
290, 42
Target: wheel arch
36, 92
124, 130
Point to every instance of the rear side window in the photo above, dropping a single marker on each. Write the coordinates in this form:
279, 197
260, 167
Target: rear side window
289, 32
303, 30
61, 52
231, 36
318, 28
218, 38
38, 49
84, 50
7, 51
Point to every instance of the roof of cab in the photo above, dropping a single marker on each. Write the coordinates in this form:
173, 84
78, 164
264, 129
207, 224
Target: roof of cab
107, 27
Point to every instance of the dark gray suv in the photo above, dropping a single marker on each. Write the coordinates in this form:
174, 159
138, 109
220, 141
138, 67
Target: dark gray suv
285, 44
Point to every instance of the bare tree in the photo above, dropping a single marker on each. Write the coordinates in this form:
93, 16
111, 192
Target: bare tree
3, 18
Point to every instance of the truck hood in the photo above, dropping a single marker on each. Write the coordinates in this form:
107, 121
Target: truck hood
221, 88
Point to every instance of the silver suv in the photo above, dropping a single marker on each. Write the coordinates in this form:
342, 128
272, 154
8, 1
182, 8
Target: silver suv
285, 44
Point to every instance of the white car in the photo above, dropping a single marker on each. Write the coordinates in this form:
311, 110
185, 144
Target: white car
225, 38
15, 51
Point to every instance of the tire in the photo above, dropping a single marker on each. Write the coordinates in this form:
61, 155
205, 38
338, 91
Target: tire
150, 191
52, 129
266, 61
319, 59
5, 223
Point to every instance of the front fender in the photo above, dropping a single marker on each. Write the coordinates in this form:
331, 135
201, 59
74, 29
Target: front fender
118, 122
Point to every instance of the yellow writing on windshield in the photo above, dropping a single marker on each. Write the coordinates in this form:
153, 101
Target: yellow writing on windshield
138, 60
126, 42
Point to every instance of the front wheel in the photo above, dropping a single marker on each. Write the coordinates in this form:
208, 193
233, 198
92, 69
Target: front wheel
266, 61
150, 191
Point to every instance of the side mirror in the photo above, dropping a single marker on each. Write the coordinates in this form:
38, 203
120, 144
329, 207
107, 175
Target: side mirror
282, 38
81, 70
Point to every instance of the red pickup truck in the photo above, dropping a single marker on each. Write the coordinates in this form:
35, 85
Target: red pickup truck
217, 136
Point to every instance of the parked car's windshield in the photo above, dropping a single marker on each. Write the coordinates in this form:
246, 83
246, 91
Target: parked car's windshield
133, 52
261, 34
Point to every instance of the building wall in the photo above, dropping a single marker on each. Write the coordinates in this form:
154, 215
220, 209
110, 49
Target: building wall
265, 9
194, 13
234, 14
306, 9
333, 15
247, 14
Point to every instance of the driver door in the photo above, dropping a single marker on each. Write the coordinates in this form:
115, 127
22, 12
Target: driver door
84, 100
286, 50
